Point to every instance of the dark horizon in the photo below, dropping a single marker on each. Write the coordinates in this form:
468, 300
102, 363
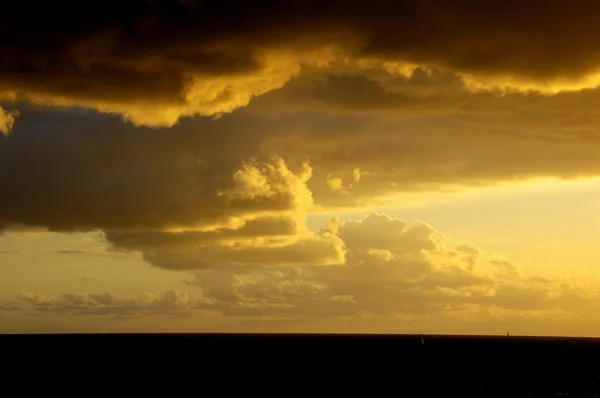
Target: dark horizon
315, 365
308, 334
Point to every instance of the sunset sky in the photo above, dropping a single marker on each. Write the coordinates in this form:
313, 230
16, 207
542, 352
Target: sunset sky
390, 166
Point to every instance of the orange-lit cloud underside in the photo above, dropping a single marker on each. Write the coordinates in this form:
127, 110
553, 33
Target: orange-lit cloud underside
300, 107
154, 62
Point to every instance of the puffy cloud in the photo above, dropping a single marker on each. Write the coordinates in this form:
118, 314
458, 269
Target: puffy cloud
108, 303
154, 62
233, 190
186, 200
75, 169
391, 268
428, 132
92, 176
150, 68
306, 106
389, 233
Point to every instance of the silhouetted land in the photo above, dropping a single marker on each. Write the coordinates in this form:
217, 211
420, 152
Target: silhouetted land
208, 365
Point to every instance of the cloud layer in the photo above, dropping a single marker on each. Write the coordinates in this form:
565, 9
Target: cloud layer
395, 268
301, 107
108, 303
79, 170
392, 268
154, 62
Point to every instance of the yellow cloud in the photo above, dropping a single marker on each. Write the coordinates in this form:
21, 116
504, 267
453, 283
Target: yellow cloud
154, 71
300, 111
386, 266
412, 272
108, 303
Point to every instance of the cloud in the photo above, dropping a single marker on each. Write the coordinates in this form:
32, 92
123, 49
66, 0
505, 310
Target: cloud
8, 307
149, 68
168, 303
235, 193
428, 132
211, 58
322, 249
303, 107
143, 180
251, 179
392, 268
7, 120
183, 198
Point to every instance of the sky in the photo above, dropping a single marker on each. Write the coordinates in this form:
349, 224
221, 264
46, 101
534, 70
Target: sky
300, 166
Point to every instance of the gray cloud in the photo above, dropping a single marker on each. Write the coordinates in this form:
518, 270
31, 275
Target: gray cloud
92, 172
78, 170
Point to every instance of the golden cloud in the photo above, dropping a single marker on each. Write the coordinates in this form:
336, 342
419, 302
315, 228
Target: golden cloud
78, 170
304, 107
161, 61
426, 132
391, 268
108, 303
412, 273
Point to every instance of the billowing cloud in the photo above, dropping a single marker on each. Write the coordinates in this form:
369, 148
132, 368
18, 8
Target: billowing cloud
182, 198
154, 62
302, 107
252, 176
357, 130
140, 182
393, 268
428, 132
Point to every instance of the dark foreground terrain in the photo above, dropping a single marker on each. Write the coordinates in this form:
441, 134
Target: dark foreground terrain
300, 366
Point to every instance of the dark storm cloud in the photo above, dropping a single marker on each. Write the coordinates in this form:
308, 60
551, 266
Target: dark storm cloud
75, 169
67, 170
325, 83
128, 56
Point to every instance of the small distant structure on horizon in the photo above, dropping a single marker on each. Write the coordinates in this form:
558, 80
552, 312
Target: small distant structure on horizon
507, 334
422, 339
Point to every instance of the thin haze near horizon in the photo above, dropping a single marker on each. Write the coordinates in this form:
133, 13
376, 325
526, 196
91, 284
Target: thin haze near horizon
300, 166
